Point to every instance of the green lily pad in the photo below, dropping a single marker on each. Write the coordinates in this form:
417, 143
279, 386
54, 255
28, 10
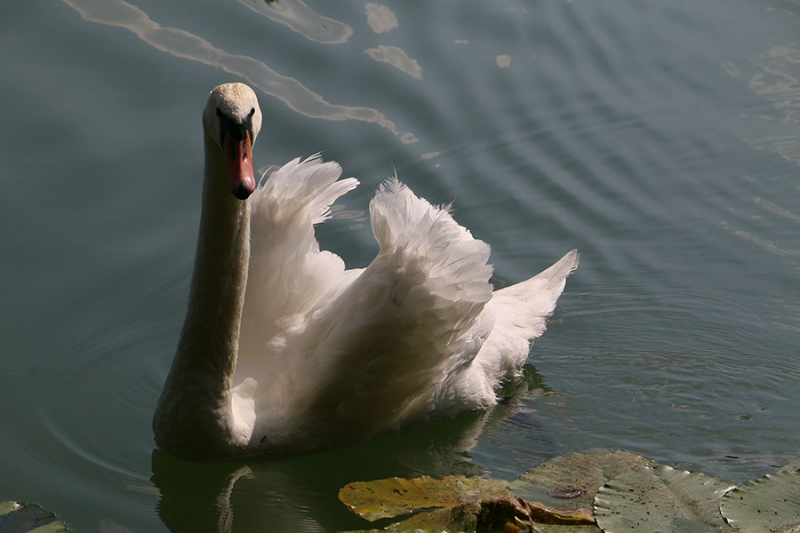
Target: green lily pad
770, 503
630, 493
651, 499
18, 517
572, 480
557, 496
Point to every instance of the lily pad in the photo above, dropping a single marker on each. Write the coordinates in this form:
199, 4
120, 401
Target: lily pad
387, 498
453, 504
650, 499
18, 517
580, 474
630, 493
496, 514
770, 503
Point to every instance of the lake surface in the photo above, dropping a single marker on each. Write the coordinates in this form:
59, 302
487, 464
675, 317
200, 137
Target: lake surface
658, 138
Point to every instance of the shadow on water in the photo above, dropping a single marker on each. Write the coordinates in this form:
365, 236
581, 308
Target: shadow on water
299, 493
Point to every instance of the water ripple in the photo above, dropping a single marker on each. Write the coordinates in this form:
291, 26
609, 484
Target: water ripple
184, 44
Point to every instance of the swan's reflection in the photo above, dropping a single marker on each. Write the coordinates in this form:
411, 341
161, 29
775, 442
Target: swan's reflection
300, 493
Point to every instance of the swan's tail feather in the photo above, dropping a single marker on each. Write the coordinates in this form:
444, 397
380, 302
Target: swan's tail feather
521, 312
537, 296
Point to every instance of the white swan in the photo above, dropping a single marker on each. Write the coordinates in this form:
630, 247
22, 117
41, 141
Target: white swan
285, 350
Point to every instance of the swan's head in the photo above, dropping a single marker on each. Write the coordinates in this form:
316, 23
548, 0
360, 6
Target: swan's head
232, 120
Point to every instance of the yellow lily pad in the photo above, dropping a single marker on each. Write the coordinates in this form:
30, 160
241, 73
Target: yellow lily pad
454, 504
387, 498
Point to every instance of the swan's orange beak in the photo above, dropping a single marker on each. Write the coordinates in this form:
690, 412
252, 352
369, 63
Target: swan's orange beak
239, 163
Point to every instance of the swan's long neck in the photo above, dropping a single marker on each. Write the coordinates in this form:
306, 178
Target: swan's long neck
194, 415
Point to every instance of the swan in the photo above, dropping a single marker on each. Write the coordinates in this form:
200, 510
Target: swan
285, 350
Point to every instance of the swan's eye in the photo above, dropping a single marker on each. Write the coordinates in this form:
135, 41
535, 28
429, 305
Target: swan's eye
252, 112
219, 112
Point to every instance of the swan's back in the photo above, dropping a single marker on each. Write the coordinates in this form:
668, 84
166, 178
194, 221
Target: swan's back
335, 354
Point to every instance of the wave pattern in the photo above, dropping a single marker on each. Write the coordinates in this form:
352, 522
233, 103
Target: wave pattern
657, 138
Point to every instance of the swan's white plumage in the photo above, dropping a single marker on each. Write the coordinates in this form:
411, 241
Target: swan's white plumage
341, 354
328, 356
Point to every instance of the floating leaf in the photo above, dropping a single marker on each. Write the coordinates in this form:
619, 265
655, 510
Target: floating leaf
659, 499
560, 528
387, 498
566, 493
585, 471
566, 485
18, 517
458, 518
454, 504
499, 514
770, 503
630, 492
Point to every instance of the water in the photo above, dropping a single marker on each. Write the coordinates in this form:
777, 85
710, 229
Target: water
660, 139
